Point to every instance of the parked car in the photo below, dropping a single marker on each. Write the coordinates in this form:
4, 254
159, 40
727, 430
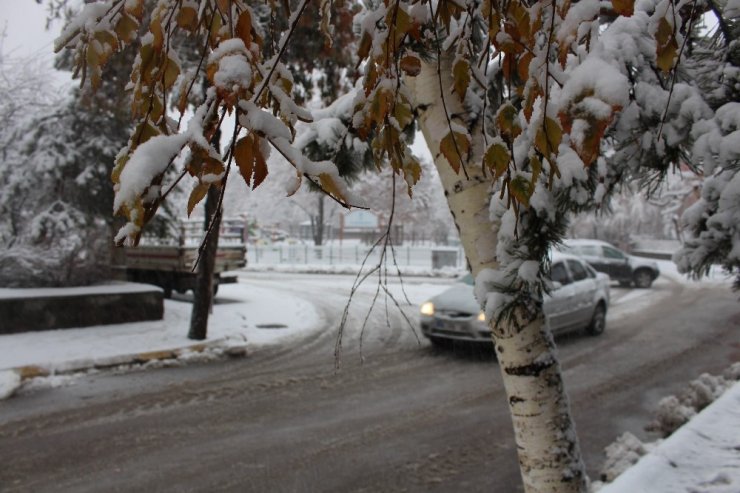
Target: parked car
621, 267
579, 300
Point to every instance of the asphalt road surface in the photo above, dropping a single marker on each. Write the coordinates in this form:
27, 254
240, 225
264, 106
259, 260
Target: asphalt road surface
408, 418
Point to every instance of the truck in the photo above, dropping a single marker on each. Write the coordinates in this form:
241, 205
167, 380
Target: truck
168, 263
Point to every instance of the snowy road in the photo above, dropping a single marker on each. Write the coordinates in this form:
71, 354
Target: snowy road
411, 418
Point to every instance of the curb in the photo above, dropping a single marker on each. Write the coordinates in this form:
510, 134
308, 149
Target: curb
231, 348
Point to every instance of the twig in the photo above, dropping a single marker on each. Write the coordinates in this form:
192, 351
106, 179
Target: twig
382, 269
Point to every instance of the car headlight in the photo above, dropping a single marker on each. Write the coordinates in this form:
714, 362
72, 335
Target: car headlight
482, 317
427, 308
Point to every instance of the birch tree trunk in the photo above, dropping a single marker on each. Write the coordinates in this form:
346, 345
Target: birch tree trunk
549, 455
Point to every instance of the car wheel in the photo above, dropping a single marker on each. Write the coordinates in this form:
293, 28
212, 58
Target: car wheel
643, 278
598, 320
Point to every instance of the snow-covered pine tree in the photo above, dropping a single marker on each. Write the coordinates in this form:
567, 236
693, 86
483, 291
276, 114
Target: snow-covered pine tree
56, 195
713, 223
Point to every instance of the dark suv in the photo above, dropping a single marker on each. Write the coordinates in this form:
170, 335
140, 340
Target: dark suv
620, 266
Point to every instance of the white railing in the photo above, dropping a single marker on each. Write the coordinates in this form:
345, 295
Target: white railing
304, 254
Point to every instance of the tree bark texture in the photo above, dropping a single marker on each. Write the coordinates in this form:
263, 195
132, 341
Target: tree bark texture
203, 292
549, 456
317, 221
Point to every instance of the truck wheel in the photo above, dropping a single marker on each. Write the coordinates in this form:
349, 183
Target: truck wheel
643, 278
598, 321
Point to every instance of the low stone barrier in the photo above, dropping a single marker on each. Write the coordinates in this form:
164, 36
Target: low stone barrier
25, 310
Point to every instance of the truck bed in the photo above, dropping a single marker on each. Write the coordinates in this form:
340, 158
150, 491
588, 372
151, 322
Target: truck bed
182, 258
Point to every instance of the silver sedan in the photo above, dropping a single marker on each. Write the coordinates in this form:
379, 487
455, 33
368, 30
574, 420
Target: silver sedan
579, 300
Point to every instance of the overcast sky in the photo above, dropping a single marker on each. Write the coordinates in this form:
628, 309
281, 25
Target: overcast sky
23, 23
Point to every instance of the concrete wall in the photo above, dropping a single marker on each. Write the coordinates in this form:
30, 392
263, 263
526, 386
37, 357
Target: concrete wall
40, 310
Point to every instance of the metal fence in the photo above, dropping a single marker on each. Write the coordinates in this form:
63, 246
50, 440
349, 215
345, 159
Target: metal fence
410, 256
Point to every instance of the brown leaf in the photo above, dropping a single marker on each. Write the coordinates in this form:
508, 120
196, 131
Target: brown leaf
508, 123
624, 7
214, 30
171, 73
518, 21
523, 66
156, 29
667, 46
187, 18
454, 147
590, 147
497, 159
411, 170
461, 77
135, 8
126, 28
211, 70
521, 190
260, 168
244, 157
196, 195
380, 106
364, 49
249, 159
244, 28
327, 183
548, 137
224, 6
403, 114
411, 65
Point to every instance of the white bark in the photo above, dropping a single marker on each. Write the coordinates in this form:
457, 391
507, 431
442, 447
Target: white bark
549, 455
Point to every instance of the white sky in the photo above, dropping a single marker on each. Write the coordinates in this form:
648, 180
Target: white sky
25, 37
24, 25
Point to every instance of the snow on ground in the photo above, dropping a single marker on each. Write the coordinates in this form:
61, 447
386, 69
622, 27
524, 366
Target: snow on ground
702, 456
9, 382
716, 275
259, 316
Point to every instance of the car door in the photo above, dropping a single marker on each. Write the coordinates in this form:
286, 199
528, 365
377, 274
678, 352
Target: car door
617, 264
557, 305
594, 256
583, 287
